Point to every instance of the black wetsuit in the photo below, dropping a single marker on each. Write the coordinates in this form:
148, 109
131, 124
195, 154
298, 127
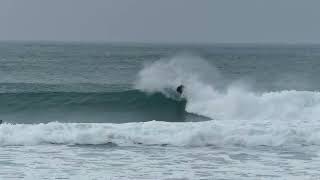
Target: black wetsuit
180, 89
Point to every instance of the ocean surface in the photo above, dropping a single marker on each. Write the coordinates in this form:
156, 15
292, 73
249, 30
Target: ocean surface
110, 111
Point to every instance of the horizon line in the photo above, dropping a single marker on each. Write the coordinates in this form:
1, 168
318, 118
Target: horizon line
158, 42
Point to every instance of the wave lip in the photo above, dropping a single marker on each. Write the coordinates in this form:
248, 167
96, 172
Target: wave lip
208, 133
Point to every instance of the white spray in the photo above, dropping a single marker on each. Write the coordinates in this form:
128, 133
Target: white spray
234, 103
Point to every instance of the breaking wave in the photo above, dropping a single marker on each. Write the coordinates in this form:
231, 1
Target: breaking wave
205, 96
206, 133
239, 117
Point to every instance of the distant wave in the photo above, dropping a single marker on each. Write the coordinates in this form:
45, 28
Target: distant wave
32, 87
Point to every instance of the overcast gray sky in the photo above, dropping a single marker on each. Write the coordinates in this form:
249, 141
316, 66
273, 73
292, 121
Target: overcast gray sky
208, 21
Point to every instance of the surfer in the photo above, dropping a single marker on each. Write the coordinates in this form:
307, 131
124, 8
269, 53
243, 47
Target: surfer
180, 89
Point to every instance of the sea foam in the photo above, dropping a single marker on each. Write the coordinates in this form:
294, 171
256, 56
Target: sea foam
207, 133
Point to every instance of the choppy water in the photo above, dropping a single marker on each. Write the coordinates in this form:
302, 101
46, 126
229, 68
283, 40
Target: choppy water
99, 111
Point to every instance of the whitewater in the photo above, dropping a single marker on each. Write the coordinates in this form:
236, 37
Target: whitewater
92, 125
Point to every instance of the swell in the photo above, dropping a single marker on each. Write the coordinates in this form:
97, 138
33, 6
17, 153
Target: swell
132, 99
124, 106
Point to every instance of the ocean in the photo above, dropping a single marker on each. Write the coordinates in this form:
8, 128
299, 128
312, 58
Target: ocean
111, 111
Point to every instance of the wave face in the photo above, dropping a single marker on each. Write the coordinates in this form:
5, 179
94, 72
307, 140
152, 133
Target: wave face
131, 105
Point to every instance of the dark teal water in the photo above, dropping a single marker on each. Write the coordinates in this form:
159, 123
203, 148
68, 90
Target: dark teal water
43, 82
110, 111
